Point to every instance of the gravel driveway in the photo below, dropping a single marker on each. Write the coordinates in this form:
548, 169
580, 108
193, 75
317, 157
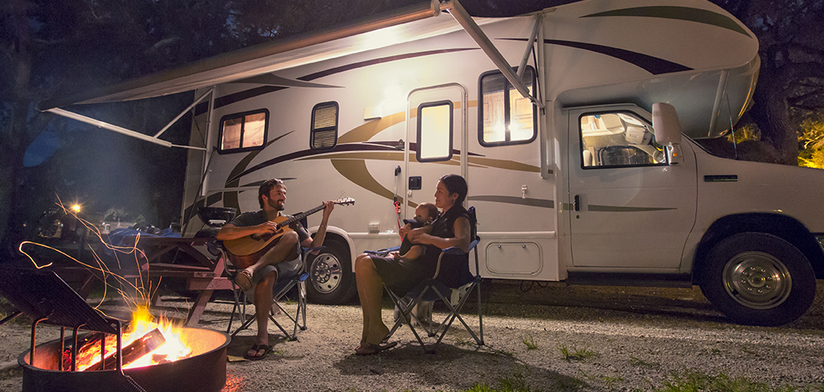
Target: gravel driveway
626, 338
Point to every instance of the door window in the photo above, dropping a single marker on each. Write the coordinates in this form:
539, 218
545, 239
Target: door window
434, 131
619, 139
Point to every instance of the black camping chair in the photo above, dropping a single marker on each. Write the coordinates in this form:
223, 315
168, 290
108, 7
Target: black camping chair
452, 274
292, 278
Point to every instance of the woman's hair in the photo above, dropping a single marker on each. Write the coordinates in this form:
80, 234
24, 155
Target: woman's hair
455, 184
267, 187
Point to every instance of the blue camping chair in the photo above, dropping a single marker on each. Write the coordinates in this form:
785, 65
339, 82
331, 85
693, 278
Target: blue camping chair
452, 274
294, 277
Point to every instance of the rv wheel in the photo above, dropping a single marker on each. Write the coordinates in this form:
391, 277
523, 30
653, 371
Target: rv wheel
758, 279
331, 280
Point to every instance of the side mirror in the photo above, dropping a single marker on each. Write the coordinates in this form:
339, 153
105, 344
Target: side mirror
667, 130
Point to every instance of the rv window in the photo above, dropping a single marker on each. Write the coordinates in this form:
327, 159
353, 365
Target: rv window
506, 117
618, 139
243, 131
324, 132
434, 131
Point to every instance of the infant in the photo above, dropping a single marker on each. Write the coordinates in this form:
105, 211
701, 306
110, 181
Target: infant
425, 213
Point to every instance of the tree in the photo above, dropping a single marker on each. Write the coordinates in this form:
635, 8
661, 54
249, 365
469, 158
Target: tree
51, 48
791, 79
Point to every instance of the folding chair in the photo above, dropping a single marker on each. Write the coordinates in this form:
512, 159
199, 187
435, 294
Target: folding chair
285, 283
452, 274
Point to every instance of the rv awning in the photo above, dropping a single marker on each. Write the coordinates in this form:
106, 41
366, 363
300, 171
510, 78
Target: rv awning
257, 63
376, 32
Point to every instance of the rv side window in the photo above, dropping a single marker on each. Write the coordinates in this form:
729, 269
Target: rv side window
434, 131
620, 139
324, 132
505, 116
244, 131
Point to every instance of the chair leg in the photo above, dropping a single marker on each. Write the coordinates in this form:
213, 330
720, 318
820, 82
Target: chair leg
406, 316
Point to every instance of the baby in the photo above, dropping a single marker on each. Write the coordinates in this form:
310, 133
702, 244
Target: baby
425, 213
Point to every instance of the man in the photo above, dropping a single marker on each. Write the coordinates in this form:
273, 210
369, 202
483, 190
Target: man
283, 256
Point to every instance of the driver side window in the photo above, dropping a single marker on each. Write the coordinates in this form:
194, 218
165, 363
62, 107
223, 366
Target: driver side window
619, 139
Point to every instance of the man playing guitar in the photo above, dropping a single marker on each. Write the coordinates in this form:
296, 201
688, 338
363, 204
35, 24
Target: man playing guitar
282, 255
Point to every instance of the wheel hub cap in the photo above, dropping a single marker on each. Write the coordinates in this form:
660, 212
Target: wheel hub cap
326, 273
757, 280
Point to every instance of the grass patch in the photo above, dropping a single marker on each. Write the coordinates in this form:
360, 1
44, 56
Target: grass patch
575, 354
691, 381
529, 342
640, 362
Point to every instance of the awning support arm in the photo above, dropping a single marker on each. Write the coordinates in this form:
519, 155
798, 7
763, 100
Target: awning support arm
530, 47
465, 20
118, 129
197, 101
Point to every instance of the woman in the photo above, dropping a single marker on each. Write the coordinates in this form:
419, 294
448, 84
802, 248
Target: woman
451, 228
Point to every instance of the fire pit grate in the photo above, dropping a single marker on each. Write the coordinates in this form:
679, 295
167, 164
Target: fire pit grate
46, 298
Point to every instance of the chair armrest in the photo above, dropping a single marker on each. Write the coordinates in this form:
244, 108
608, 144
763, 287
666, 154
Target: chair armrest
473, 244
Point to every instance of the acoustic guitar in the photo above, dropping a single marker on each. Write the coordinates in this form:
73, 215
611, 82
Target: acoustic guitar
245, 251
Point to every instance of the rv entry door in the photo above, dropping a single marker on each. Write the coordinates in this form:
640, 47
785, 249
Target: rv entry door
628, 207
436, 135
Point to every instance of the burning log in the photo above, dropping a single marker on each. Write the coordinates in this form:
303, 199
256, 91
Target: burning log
134, 351
88, 346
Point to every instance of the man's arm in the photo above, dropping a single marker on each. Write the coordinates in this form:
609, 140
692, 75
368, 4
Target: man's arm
321, 234
232, 232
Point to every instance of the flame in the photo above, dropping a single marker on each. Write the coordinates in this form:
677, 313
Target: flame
142, 323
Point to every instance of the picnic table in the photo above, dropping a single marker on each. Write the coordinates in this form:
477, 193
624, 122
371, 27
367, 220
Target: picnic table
206, 276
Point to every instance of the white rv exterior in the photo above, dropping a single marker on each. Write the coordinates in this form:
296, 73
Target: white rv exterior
571, 186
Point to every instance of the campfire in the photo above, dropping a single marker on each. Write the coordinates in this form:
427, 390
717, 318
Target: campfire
156, 357
145, 343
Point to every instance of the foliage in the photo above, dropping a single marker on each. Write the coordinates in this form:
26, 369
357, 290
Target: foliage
575, 354
690, 381
811, 140
792, 68
529, 341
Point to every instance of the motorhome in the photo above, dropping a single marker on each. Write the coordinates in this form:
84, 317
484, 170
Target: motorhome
575, 127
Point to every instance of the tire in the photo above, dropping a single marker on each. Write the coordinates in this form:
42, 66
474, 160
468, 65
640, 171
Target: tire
758, 279
331, 280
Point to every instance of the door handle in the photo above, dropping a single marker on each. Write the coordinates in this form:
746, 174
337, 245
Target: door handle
576, 203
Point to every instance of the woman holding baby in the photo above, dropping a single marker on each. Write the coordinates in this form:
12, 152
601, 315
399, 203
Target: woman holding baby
451, 228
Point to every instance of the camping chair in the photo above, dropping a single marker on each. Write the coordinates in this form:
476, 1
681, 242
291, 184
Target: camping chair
285, 283
452, 274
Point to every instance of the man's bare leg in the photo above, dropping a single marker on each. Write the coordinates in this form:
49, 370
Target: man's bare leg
285, 248
263, 302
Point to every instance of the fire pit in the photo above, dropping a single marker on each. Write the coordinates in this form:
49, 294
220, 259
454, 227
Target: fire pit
196, 363
204, 370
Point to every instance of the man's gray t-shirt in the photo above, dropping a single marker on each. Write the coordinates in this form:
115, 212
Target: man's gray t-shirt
258, 217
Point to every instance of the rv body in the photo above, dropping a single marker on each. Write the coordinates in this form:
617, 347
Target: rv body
569, 187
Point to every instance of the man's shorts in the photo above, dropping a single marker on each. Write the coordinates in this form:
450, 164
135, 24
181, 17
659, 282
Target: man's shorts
285, 269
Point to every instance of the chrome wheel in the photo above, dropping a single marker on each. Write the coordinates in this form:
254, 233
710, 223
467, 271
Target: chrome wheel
757, 280
325, 273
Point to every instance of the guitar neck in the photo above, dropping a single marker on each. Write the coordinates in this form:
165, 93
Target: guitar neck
300, 216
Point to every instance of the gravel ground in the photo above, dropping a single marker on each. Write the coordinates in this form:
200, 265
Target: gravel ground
632, 338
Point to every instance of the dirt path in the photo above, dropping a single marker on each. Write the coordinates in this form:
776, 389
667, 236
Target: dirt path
627, 338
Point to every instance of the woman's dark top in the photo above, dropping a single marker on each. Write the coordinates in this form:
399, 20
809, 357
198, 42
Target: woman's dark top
401, 276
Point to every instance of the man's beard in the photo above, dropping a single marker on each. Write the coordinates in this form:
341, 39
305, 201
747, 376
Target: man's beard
274, 204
